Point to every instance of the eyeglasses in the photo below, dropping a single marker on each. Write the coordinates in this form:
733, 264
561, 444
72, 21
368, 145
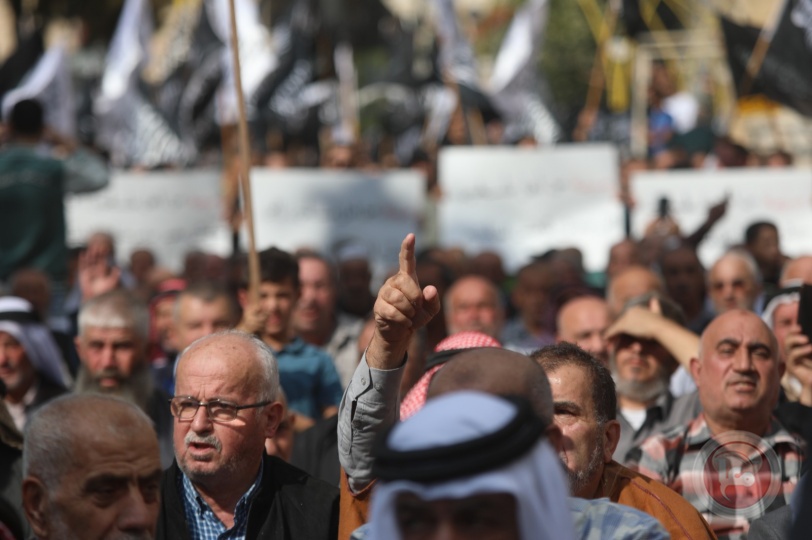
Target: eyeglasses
185, 408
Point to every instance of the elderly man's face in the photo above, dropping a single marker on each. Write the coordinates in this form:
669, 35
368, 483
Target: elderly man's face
641, 367
731, 285
785, 317
738, 371
490, 516
16, 370
214, 454
111, 492
582, 439
473, 306
111, 355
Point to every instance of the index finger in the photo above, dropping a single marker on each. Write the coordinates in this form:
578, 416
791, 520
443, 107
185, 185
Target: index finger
407, 264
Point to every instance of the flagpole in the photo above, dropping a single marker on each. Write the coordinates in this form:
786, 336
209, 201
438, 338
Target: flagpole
765, 38
597, 78
245, 164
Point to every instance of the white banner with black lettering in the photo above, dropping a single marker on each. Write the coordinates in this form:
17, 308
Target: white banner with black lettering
521, 202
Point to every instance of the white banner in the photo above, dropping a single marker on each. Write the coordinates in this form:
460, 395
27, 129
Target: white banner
521, 202
323, 210
170, 213
783, 196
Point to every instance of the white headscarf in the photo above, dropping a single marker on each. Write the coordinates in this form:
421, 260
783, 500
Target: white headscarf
36, 339
535, 479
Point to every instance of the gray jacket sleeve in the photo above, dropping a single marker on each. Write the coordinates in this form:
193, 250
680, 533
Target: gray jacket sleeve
369, 406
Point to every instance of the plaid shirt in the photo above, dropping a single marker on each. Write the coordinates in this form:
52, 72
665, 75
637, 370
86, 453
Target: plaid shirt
718, 483
203, 524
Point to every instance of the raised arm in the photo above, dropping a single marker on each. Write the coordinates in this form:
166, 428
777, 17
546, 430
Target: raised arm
371, 401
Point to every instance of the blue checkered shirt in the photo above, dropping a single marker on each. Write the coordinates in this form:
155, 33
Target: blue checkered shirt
201, 521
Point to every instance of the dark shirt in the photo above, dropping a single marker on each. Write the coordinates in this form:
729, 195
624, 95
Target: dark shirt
32, 213
289, 504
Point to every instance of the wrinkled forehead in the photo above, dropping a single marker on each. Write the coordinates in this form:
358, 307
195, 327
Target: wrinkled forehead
730, 268
737, 326
225, 360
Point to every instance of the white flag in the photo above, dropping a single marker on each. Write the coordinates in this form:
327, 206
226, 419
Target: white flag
49, 82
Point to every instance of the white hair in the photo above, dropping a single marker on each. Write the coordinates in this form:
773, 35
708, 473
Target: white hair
115, 309
269, 389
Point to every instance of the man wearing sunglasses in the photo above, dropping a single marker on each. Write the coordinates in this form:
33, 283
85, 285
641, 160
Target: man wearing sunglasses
646, 345
222, 485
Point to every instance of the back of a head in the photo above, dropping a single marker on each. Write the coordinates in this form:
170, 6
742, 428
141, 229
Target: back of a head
277, 266
466, 445
52, 432
115, 309
27, 118
499, 372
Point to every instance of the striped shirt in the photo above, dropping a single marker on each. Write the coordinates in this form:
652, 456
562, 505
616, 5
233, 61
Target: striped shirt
732, 478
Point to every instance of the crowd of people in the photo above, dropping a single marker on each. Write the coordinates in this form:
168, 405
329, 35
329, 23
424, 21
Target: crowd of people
672, 401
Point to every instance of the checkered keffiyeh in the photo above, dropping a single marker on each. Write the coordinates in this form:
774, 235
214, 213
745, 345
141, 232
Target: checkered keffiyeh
416, 397
675, 459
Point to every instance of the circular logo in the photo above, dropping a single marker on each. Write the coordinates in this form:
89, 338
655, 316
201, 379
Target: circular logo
737, 474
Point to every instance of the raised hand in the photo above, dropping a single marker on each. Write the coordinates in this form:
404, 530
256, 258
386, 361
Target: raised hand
96, 276
799, 361
401, 308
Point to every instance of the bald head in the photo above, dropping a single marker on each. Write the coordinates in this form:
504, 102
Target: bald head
53, 434
629, 283
799, 268
496, 371
246, 359
582, 321
734, 281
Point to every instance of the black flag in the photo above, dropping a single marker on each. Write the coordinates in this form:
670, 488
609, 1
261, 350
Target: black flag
786, 72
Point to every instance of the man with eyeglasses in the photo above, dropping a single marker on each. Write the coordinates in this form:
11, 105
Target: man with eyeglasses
222, 485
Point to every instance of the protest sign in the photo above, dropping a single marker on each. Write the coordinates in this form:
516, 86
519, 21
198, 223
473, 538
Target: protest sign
521, 202
782, 196
170, 213
324, 210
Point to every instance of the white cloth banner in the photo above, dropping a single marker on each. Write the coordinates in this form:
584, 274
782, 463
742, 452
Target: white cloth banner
782, 196
324, 210
521, 202
170, 213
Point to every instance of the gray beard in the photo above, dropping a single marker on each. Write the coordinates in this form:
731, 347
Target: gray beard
579, 479
137, 389
644, 392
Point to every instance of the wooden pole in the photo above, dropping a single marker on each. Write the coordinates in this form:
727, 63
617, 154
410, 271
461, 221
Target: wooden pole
760, 49
245, 164
597, 77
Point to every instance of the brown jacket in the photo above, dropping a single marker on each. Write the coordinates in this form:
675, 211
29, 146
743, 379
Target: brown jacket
680, 519
354, 507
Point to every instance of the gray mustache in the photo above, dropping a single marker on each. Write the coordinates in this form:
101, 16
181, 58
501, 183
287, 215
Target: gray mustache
193, 438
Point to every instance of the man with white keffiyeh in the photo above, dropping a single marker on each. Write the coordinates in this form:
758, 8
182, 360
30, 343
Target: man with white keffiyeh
31, 365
